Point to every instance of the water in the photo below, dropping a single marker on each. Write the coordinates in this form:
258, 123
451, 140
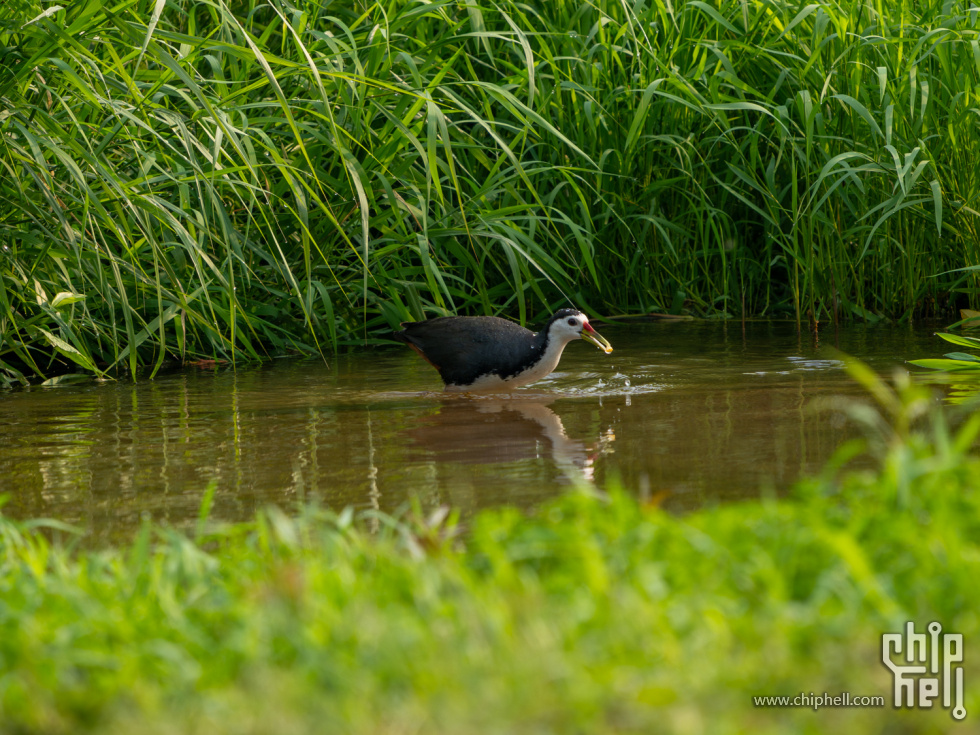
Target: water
688, 413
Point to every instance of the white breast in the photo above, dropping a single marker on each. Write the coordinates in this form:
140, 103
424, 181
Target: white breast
542, 368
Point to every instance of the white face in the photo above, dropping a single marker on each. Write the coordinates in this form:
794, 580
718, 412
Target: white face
575, 326
569, 328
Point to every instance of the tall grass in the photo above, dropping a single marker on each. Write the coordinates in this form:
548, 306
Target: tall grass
234, 179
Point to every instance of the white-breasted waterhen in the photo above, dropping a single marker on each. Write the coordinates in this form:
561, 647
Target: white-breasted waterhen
487, 353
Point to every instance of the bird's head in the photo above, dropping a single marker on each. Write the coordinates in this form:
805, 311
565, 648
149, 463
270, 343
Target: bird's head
569, 324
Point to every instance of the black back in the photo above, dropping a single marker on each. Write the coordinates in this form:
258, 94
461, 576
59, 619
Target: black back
462, 348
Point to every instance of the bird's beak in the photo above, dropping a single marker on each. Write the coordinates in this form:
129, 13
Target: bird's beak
589, 334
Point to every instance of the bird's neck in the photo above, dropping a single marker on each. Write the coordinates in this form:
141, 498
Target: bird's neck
549, 348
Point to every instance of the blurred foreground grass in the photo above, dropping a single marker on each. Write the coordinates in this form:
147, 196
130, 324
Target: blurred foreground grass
596, 614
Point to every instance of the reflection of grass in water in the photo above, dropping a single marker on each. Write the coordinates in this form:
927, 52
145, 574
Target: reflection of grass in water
960, 388
964, 392
593, 615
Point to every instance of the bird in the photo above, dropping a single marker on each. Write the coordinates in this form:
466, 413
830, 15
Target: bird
487, 353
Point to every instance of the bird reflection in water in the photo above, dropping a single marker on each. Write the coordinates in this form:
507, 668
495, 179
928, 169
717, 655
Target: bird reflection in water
497, 429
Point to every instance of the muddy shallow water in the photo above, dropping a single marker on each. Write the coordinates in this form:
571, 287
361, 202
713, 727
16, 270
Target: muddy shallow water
688, 412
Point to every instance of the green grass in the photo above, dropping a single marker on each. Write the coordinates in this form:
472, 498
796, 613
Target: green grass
957, 370
954, 362
236, 179
595, 614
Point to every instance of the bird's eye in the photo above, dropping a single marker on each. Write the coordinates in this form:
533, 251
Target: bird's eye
572, 323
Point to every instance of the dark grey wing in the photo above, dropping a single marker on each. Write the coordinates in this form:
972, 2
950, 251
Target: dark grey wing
464, 348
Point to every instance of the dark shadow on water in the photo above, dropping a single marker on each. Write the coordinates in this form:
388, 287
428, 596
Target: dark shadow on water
521, 427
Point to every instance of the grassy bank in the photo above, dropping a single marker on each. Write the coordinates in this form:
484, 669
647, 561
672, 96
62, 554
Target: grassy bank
185, 179
595, 614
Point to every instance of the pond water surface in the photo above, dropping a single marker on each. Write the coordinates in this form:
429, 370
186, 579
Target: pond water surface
689, 412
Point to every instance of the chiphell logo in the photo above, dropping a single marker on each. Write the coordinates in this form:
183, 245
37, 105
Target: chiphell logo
926, 667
